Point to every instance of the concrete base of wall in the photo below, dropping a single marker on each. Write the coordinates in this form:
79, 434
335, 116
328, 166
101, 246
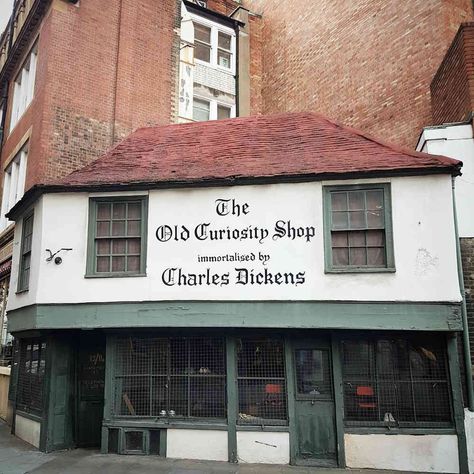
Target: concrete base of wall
28, 430
469, 424
197, 444
263, 447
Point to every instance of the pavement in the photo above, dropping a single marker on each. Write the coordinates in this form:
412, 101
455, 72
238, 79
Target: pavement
18, 457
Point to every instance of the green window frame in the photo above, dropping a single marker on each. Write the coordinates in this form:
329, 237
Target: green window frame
25, 255
358, 234
117, 236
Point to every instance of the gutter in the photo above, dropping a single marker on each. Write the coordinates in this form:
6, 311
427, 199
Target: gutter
465, 332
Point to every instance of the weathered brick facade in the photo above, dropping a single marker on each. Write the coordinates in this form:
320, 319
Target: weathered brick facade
367, 64
467, 252
452, 88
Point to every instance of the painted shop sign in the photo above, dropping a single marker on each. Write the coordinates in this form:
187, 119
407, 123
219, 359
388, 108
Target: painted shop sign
235, 242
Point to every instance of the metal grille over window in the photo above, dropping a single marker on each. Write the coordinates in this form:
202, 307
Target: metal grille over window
178, 378
261, 382
25, 260
118, 237
358, 228
396, 382
31, 376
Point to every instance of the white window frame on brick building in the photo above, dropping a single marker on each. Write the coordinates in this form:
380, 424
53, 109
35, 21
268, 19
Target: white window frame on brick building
13, 183
216, 28
213, 108
24, 87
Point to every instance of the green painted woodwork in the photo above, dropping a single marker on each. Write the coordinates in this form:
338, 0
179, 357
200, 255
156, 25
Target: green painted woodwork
338, 398
327, 225
92, 229
60, 433
232, 404
314, 413
290, 395
274, 314
458, 407
25, 253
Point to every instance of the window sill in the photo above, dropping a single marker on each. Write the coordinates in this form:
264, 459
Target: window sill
30, 416
278, 428
152, 423
20, 292
114, 275
398, 431
360, 270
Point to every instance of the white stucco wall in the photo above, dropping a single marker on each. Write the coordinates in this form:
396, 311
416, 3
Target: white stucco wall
263, 447
456, 141
28, 430
469, 425
197, 444
421, 453
423, 232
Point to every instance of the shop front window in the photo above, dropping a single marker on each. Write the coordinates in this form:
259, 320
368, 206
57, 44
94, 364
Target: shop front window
396, 382
261, 382
180, 378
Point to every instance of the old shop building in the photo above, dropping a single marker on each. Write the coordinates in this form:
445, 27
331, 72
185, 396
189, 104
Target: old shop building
277, 289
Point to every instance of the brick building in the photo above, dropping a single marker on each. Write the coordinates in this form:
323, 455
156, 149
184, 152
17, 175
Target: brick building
77, 77
368, 63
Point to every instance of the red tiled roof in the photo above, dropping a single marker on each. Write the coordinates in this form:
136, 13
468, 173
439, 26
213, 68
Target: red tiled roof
292, 144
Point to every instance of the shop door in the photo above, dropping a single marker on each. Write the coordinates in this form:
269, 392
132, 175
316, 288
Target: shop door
90, 391
314, 404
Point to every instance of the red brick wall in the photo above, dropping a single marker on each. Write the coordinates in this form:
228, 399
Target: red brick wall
256, 66
452, 88
104, 69
367, 63
225, 7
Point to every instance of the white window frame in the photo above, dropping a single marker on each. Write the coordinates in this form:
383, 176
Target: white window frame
215, 29
24, 86
13, 184
213, 103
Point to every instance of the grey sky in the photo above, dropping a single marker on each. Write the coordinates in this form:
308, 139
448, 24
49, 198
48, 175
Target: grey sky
5, 12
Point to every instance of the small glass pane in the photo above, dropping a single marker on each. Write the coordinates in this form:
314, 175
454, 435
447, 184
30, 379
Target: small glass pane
119, 211
357, 220
223, 112
357, 239
224, 41
202, 52
313, 376
375, 238
103, 247
134, 441
118, 264
339, 239
133, 228
339, 201
133, 246
133, 264
374, 200
200, 110
118, 246
376, 256
103, 229
103, 264
340, 220
375, 219
103, 211
358, 256
134, 210
340, 257
223, 58
356, 201
118, 228
202, 33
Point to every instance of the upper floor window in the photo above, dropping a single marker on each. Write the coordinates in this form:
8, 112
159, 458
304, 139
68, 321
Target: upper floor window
13, 183
23, 87
25, 255
208, 109
214, 44
358, 228
117, 236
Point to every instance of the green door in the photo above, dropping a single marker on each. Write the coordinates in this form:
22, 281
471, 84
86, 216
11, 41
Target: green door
314, 404
90, 390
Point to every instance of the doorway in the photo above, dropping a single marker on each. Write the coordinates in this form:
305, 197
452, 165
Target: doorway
316, 443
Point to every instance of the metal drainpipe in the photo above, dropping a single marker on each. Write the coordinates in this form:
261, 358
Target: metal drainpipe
465, 332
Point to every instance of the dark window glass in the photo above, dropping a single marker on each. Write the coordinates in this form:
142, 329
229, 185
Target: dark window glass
202, 42
313, 373
396, 382
261, 381
25, 257
170, 377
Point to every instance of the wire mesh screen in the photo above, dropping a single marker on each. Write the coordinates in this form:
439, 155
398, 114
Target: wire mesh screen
31, 376
396, 382
170, 377
261, 382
